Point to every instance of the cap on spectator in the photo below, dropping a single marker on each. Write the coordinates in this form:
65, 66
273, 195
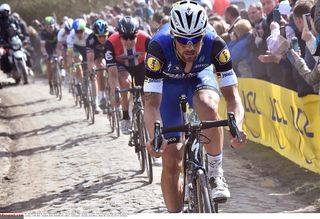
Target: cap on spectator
285, 8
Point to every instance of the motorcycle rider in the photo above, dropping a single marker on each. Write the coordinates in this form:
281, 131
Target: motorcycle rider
9, 27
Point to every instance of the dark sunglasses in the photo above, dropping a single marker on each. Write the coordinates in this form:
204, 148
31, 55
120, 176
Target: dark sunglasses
128, 37
101, 36
185, 41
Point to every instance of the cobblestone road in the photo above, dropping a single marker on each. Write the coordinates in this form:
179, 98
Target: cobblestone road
54, 162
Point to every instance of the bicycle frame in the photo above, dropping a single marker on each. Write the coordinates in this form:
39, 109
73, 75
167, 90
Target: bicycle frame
56, 75
139, 135
195, 188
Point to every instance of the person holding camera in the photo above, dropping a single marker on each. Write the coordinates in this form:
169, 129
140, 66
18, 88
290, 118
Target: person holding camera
300, 11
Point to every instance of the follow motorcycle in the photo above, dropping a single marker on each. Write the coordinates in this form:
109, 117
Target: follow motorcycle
18, 58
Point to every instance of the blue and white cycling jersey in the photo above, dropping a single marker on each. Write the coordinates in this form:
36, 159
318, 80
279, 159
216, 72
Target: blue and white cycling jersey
163, 63
74, 40
166, 73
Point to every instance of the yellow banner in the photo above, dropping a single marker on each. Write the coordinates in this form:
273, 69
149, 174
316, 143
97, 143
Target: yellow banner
278, 118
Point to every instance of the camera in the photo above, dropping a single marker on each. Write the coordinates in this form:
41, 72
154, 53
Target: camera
283, 31
295, 44
306, 21
276, 16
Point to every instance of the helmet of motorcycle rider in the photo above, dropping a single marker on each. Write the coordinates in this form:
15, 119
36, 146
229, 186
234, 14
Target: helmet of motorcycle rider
128, 26
100, 27
67, 24
79, 24
5, 8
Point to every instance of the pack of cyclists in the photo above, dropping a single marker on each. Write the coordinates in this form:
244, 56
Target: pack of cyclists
183, 56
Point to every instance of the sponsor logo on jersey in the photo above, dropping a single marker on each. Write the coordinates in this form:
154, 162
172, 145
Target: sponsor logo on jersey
153, 64
108, 55
225, 74
223, 57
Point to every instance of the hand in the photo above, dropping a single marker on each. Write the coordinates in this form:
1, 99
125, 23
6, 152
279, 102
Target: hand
271, 58
295, 54
151, 150
2, 51
235, 143
274, 25
306, 35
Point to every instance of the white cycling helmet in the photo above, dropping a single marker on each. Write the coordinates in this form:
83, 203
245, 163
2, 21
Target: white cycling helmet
188, 19
67, 24
5, 7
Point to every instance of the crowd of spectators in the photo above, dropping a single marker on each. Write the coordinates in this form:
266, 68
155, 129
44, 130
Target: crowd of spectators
276, 41
260, 46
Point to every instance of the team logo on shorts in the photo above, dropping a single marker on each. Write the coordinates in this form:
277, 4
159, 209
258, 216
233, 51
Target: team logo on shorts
223, 57
153, 64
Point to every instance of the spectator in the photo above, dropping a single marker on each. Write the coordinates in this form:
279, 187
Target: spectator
279, 69
244, 14
268, 6
312, 77
317, 17
255, 13
239, 48
219, 25
232, 15
302, 8
156, 21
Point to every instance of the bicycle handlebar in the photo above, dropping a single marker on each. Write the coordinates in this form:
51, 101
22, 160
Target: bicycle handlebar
99, 69
231, 122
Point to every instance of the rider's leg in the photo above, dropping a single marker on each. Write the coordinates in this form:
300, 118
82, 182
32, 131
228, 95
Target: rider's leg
100, 81
205, 103
49, 75
171, 185
173, 154
125, 82
78, 71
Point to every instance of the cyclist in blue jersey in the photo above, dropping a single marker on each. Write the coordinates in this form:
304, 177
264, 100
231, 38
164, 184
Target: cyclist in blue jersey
181, 59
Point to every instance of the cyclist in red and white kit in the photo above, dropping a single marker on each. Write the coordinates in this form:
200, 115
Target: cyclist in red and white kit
125, 56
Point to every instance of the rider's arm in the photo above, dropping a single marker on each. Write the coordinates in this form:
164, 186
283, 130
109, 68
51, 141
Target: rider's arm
112, 66
70, 48
153, 85
228, 82
60, 42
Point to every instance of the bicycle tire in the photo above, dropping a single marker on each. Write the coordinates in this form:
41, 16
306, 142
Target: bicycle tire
74, 92
203, 196
59, 87
91, 104
109, 109
137, 131
85, 97
117, 121
143, 134
55, 70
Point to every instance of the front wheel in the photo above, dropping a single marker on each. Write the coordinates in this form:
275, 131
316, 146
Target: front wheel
22, 69
203, 196
117, 121
147, 159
